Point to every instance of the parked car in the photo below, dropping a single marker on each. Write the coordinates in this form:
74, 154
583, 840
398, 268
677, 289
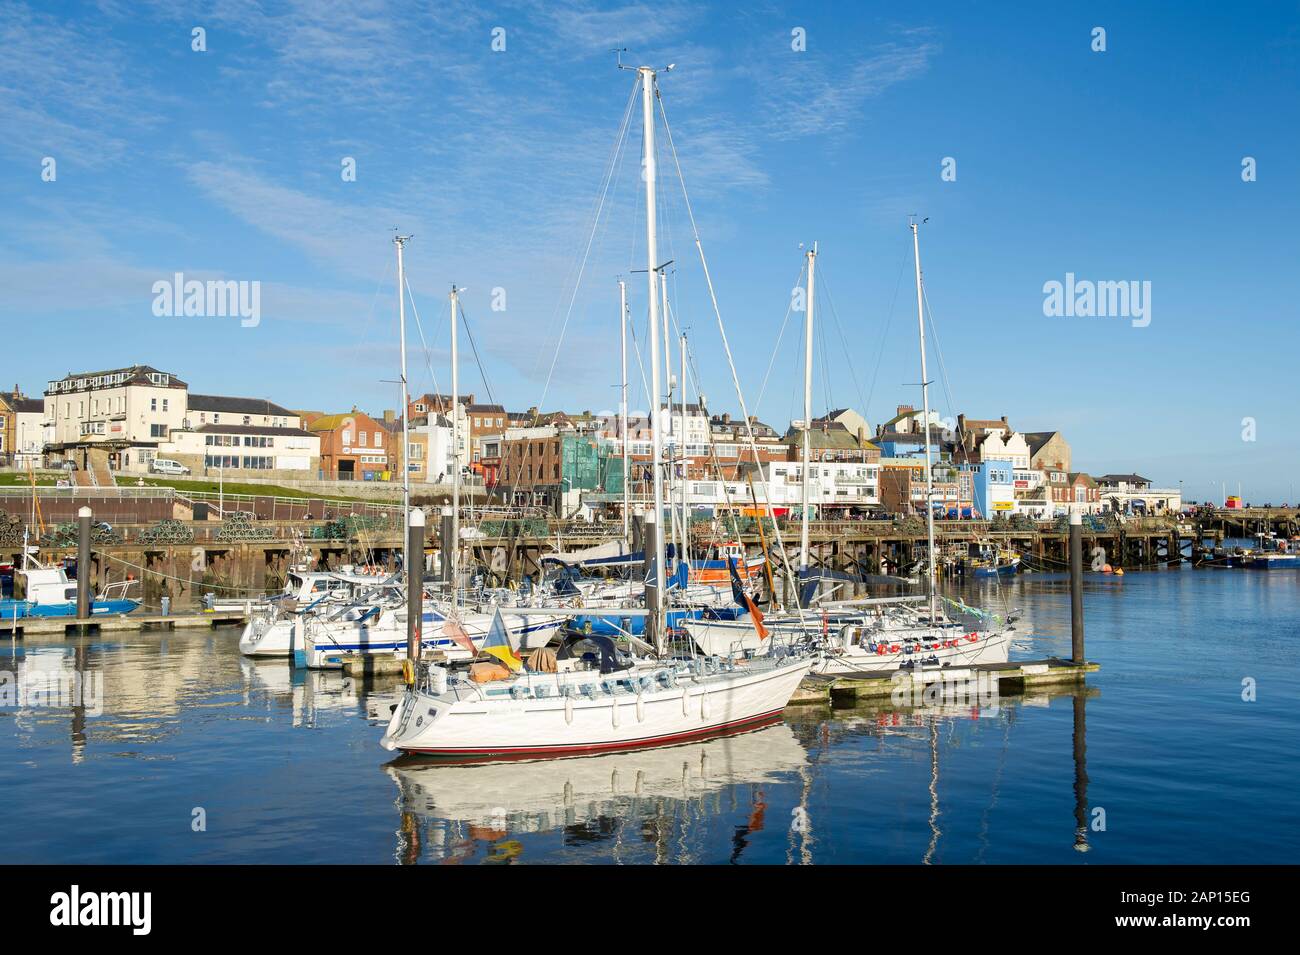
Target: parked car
167, 466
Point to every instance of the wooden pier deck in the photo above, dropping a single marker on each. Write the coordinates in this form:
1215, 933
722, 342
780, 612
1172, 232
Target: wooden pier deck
1010, 678
32, 626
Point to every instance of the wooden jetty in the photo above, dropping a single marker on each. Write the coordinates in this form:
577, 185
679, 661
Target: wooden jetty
1014, 677
32, 626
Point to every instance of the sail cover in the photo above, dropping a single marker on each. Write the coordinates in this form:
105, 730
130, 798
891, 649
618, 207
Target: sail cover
608, 552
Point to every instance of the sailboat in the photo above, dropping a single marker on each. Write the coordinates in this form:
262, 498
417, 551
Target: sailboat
374, 623
935, 638
874, 634
593, 697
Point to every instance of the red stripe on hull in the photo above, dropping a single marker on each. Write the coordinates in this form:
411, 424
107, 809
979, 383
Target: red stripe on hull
530, 752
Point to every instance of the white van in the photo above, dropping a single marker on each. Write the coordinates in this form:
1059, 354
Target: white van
165, 466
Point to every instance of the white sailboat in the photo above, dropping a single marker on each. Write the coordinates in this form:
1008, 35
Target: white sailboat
935, 639
598, 699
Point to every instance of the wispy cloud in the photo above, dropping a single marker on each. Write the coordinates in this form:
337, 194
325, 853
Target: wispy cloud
805, 94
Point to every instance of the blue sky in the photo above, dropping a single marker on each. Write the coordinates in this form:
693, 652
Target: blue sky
1115, 165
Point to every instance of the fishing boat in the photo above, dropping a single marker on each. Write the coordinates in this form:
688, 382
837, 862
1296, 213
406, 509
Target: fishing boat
1273, 553
51, 593
716, 570
1004, 564
592, 697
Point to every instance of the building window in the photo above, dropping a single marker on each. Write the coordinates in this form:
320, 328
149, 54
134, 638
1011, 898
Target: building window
379, 440
361, 438
157, 430
153, 404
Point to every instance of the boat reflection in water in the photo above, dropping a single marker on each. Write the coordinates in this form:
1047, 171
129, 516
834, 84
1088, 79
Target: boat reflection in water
641, 802
312, 694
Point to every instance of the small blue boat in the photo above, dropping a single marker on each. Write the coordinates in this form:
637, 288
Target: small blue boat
50, 593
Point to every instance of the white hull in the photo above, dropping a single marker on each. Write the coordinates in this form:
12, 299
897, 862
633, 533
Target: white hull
564, 714
326, 643
886, 650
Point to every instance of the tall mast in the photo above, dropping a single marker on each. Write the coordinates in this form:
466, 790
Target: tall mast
400, 241
681, 442
622, 410
652, 282
807, 412
669, 497
931, 563
455, 452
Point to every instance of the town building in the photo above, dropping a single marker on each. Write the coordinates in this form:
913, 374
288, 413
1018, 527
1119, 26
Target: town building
550, 467
353, 446
115, 419
22, 434
1133, 494
1047, 449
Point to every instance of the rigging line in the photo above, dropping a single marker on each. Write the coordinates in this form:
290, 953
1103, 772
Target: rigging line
758, 405
1003, 595
884, 335
606, 181
848, 354
482, 372
828, 397
600, 206
726, 347
424, 345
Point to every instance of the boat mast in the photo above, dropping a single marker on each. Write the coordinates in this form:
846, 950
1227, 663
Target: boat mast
622, 411
669, 497
400, 241
455, 452
807, 413
931, 564
681, 443
652, 282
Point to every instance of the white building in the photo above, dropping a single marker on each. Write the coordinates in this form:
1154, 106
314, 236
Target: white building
123, 414
29, 432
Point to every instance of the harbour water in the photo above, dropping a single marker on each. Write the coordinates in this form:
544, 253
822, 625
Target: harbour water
1183, 750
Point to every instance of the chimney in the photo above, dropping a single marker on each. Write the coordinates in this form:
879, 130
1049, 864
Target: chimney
726, 417
389, 416
961, 424
905, 409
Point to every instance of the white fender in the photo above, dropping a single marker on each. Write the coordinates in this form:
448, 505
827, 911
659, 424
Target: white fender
640, 708
568, 709
704, 705
613, 711
686, 702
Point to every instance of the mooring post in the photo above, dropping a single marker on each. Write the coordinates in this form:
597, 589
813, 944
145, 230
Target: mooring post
83, 563
414, 585
1076, 587
445, 546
